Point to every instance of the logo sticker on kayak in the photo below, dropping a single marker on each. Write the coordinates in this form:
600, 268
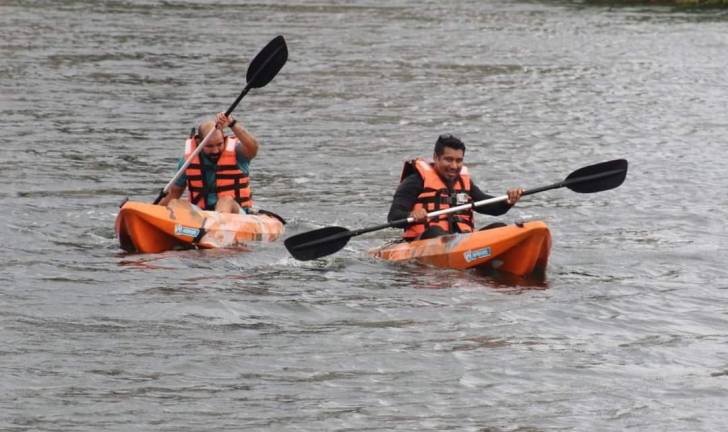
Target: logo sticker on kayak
475, 254
186, 231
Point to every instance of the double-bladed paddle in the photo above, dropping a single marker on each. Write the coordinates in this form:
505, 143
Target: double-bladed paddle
262, 70
325, 241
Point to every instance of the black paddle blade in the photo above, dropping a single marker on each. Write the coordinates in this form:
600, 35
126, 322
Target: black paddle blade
598, 177
267, 63
317, 243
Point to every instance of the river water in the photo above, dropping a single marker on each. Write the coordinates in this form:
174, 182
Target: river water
627, 332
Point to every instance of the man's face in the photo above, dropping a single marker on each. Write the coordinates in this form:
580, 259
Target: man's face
449, 164
214, 146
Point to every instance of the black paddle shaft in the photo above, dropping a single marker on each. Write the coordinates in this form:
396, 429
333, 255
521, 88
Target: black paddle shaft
264, 67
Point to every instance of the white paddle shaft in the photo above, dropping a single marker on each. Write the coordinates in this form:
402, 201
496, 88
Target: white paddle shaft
463, 207
188, 161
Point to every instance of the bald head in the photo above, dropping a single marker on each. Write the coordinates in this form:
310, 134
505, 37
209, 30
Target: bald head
205, 128
214, 146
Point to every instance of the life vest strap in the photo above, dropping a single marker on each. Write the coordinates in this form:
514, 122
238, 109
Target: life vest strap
436, 199
231, 176
226, 168
231, 187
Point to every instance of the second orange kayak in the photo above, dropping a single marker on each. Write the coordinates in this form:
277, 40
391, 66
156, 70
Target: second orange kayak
516, 249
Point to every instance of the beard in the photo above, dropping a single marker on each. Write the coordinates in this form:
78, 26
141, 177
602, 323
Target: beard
213, 157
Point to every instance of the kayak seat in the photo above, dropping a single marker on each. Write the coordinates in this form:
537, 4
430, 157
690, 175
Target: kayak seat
432, 232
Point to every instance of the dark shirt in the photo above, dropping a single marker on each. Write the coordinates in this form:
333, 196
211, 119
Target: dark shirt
411, 187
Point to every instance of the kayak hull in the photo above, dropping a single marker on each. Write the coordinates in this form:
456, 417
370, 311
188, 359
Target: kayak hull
517, 249
149, 228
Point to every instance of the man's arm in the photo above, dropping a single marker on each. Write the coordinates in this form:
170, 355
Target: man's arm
405, 197
495, 209
248, 147
178, 187
173, 193
248, 144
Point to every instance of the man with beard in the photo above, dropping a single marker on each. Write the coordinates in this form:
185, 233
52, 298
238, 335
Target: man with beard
218, 177
445, 182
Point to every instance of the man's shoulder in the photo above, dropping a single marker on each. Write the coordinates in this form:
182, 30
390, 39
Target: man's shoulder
413, 177
413, 182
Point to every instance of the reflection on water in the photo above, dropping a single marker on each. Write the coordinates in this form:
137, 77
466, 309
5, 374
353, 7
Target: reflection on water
507, 282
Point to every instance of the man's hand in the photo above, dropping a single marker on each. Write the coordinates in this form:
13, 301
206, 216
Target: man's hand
420, 215
222, 121
514, 195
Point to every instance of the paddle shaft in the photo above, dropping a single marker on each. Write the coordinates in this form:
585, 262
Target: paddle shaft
589, 179
198, 149
260, 66
401, 223
564, 183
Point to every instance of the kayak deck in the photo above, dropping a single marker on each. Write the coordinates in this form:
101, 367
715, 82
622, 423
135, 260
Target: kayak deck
149, 228
516, 249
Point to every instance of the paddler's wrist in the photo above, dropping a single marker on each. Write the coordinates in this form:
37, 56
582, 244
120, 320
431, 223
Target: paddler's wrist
232, 123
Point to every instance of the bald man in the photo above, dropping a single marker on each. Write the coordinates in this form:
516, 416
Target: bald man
218, 177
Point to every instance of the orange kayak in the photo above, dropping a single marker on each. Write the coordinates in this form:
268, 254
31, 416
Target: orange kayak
149, 228
516, 249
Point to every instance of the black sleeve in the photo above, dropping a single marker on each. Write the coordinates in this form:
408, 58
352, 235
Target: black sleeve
495, 209
405, 197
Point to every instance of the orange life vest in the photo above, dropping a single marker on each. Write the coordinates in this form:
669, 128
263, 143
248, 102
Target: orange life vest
230, 180
437, 196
